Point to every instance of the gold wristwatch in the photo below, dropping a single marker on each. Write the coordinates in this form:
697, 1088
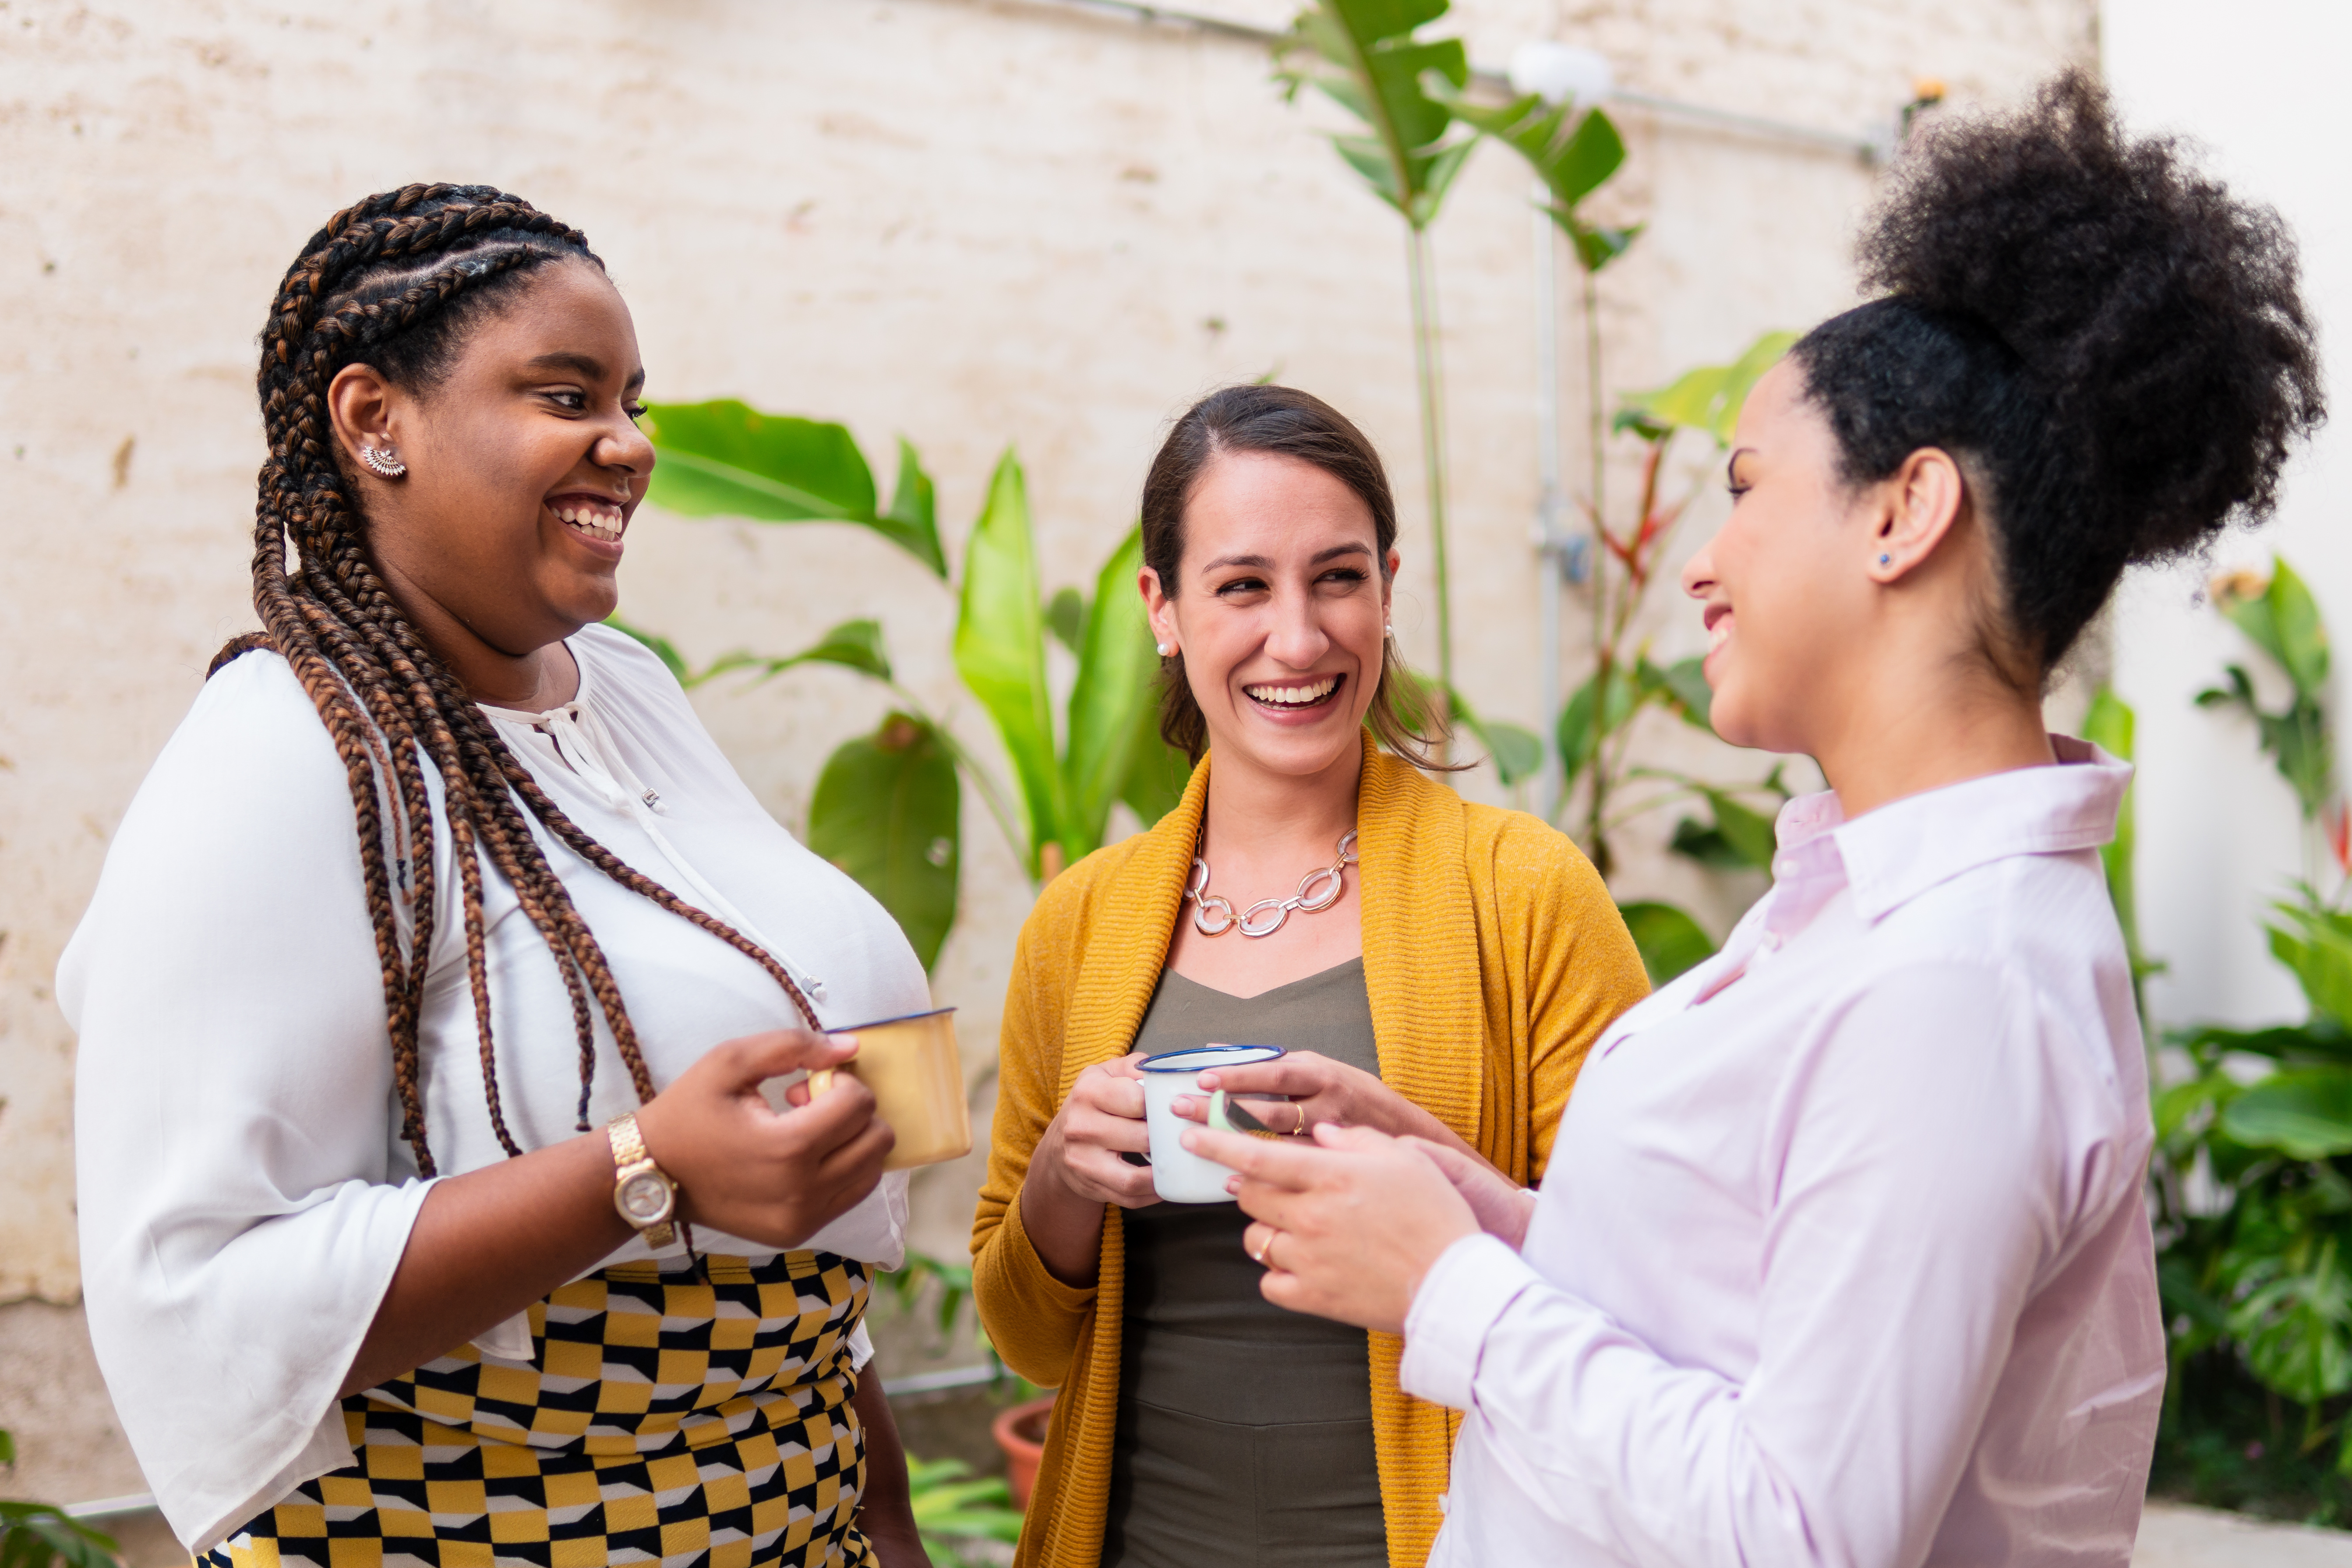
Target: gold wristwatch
641, 1190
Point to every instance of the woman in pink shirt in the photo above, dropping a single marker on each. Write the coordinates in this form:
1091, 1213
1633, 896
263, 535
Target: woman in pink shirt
1844, 1259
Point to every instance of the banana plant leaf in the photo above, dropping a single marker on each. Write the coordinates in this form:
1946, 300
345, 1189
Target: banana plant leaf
36, 1534
1577, 734
1670, 942
1708, 398
889, 810
2283, 621
1000, 651
2306, 1114
2317, 944
726, 458
1363, 55
1116, 664
1572, 147
853, 644
1157, 778
1515, 752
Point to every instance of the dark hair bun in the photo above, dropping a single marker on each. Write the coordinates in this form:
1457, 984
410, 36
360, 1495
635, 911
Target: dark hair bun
2117, 342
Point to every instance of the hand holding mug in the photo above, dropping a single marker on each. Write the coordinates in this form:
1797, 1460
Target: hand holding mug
742, 1167
1318, 1088
1101, 1121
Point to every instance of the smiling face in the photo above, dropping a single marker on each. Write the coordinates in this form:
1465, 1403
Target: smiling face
1280, 610
1786, 583
524, 469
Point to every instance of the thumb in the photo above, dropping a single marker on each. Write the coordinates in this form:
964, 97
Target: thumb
752, 1059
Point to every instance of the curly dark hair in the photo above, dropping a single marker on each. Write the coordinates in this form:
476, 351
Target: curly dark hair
2115, 347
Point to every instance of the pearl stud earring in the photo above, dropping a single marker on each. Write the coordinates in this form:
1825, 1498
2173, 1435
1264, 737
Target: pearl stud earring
382, 460
1164, 650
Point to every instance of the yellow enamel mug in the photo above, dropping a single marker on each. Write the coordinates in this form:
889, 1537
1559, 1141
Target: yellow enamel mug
917, 1077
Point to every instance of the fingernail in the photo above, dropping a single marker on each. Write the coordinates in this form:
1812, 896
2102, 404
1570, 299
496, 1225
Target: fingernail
850, 1041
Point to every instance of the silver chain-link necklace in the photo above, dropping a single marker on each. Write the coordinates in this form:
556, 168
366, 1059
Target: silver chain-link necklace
1212, 913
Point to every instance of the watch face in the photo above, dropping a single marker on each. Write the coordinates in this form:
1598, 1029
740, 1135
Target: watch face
645, 1198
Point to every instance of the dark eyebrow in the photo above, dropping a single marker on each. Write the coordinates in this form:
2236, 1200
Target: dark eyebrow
586, 365
1261, 563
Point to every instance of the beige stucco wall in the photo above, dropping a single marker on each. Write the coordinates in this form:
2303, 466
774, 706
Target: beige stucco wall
970, 223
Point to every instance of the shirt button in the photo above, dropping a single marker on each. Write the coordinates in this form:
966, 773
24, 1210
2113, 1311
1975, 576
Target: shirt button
1771, 941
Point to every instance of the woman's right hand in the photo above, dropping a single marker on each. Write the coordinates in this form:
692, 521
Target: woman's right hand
744, 1168
1101, 1120
1503, 1206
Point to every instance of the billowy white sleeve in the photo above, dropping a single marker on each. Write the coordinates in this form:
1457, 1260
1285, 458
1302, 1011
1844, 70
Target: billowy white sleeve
240, 1212
1921, 1184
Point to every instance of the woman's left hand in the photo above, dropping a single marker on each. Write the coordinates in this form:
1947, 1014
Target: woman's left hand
1346, 1227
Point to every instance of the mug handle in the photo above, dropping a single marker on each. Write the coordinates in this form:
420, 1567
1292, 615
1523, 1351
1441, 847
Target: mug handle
819, 1080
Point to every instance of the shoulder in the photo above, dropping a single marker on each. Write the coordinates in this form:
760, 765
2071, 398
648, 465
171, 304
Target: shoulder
252, 746
620, 657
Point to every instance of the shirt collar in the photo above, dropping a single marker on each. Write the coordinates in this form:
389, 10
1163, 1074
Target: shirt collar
1895, 853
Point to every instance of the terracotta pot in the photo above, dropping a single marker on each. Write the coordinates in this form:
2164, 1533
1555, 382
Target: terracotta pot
1021, 1432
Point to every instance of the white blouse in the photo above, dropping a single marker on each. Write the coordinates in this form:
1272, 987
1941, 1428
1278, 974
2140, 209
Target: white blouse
244, 1191
1842, 1257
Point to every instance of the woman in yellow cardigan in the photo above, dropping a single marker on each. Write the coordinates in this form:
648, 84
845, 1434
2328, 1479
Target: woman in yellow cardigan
1450, 990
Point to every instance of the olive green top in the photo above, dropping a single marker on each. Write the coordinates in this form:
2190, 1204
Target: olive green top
1245, 1431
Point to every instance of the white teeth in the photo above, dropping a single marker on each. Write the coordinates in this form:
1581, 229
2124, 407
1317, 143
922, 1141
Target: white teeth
597, 525
1718, 634
1293, 696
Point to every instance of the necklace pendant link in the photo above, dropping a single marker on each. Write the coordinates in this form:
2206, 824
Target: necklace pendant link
1281, 908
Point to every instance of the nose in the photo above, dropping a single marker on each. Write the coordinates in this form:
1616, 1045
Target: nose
623, 447
1698, 573
1297, 637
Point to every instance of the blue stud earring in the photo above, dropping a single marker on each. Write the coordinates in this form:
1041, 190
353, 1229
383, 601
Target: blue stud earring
1886, 560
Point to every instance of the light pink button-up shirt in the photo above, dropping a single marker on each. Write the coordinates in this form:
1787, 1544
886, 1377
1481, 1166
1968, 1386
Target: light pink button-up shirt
1842, 1257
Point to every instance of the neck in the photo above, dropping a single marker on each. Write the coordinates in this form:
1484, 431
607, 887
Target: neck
533, 680
1898, 740
1253, 814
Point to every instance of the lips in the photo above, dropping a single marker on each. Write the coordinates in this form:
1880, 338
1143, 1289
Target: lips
1293, 696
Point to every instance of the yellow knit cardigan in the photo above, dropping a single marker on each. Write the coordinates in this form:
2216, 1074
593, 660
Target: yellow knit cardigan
1493, 956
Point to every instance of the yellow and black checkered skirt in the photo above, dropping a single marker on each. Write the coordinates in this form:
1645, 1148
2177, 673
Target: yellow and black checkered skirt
694, 1420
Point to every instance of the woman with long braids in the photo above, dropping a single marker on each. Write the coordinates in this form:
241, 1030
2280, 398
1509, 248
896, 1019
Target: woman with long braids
433, 1211
1843, 1258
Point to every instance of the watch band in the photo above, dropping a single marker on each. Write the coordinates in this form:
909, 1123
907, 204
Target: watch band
643, 1192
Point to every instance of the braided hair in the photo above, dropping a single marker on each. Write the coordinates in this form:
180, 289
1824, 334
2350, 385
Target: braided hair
394, 282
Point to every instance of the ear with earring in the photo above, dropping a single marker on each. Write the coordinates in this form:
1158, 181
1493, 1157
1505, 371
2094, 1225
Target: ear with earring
382, 462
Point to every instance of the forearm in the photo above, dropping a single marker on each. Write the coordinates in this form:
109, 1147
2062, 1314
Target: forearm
1065, 1226
886, 1510
485, 1245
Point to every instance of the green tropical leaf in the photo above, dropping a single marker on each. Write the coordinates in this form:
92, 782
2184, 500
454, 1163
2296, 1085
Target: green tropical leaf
1741, 839
1670, 942
889, 810
35, 1534
1597, 247
2283, 621
1585, 720
1516, 751
1065, 617
1681, 689
726, 458
1116, 686
1361, 54
1709, 398
2306, 1114
948, 1503
2296, 1327
1156, 779
1571, 150
2315, 944
853, 644
1000, 651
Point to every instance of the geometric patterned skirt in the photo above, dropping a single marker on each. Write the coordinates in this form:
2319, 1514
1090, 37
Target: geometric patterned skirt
693, 1419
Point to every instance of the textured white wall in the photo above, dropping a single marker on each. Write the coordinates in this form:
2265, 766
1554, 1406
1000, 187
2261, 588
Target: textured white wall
972, 223
2218, 837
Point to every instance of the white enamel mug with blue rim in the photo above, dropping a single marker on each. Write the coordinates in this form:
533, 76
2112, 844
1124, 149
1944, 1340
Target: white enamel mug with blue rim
1178, 1175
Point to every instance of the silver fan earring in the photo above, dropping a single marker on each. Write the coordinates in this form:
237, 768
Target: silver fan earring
382, 463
